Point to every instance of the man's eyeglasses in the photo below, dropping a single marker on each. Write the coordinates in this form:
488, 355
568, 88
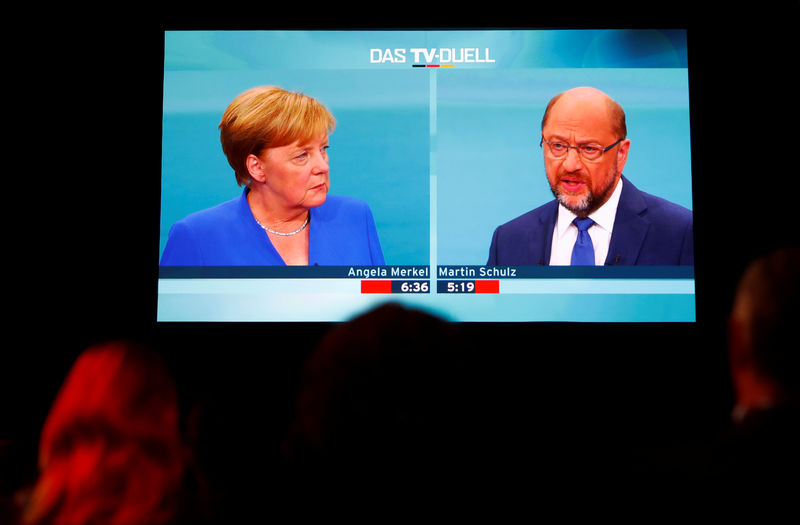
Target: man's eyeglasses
587, 151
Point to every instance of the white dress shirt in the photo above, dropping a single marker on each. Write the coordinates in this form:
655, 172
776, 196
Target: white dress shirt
565, 233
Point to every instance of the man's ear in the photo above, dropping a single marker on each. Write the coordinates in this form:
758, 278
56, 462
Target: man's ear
622, 154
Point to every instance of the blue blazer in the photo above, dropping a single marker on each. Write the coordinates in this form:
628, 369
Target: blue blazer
341, 233
648, 230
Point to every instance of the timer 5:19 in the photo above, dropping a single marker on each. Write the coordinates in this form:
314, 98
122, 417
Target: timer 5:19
461, 286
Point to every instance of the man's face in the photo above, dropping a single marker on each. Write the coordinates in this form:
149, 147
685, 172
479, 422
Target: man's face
582, 185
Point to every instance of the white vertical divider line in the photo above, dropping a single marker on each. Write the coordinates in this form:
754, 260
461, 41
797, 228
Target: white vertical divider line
433, 178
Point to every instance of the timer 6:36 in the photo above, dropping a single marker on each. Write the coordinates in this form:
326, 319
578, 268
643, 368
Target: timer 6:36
411, 287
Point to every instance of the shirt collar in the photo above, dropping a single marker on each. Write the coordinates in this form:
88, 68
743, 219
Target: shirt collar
603, 216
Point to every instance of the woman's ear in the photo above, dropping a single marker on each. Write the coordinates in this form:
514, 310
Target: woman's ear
256, 168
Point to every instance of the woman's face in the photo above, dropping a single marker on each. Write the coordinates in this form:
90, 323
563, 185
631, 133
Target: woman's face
296, 176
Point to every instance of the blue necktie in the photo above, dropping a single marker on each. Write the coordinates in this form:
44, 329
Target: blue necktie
583, 251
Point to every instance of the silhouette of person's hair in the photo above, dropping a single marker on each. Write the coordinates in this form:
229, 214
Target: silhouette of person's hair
762, 445
384, 394
764, 318
110, 449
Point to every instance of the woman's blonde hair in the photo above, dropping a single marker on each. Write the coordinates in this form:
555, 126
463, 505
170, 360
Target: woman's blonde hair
267, 117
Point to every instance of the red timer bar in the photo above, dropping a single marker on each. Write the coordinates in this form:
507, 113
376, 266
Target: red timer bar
487, 286
387, 286
376, 286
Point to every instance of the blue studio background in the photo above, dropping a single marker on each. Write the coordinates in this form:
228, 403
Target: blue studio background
489, 164
379, 151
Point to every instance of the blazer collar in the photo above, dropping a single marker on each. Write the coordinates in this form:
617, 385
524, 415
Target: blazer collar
630, 226
541, 240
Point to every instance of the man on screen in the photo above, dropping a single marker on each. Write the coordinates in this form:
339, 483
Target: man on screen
598, 217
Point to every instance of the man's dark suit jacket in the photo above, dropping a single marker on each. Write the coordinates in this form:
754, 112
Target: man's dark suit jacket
648, 230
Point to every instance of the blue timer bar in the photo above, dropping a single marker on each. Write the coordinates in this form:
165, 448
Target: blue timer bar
482, 286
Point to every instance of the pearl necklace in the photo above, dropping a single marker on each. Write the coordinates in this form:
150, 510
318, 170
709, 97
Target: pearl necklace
301, 228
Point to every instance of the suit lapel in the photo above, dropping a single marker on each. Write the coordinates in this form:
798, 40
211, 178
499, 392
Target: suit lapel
630, 227
542, 239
